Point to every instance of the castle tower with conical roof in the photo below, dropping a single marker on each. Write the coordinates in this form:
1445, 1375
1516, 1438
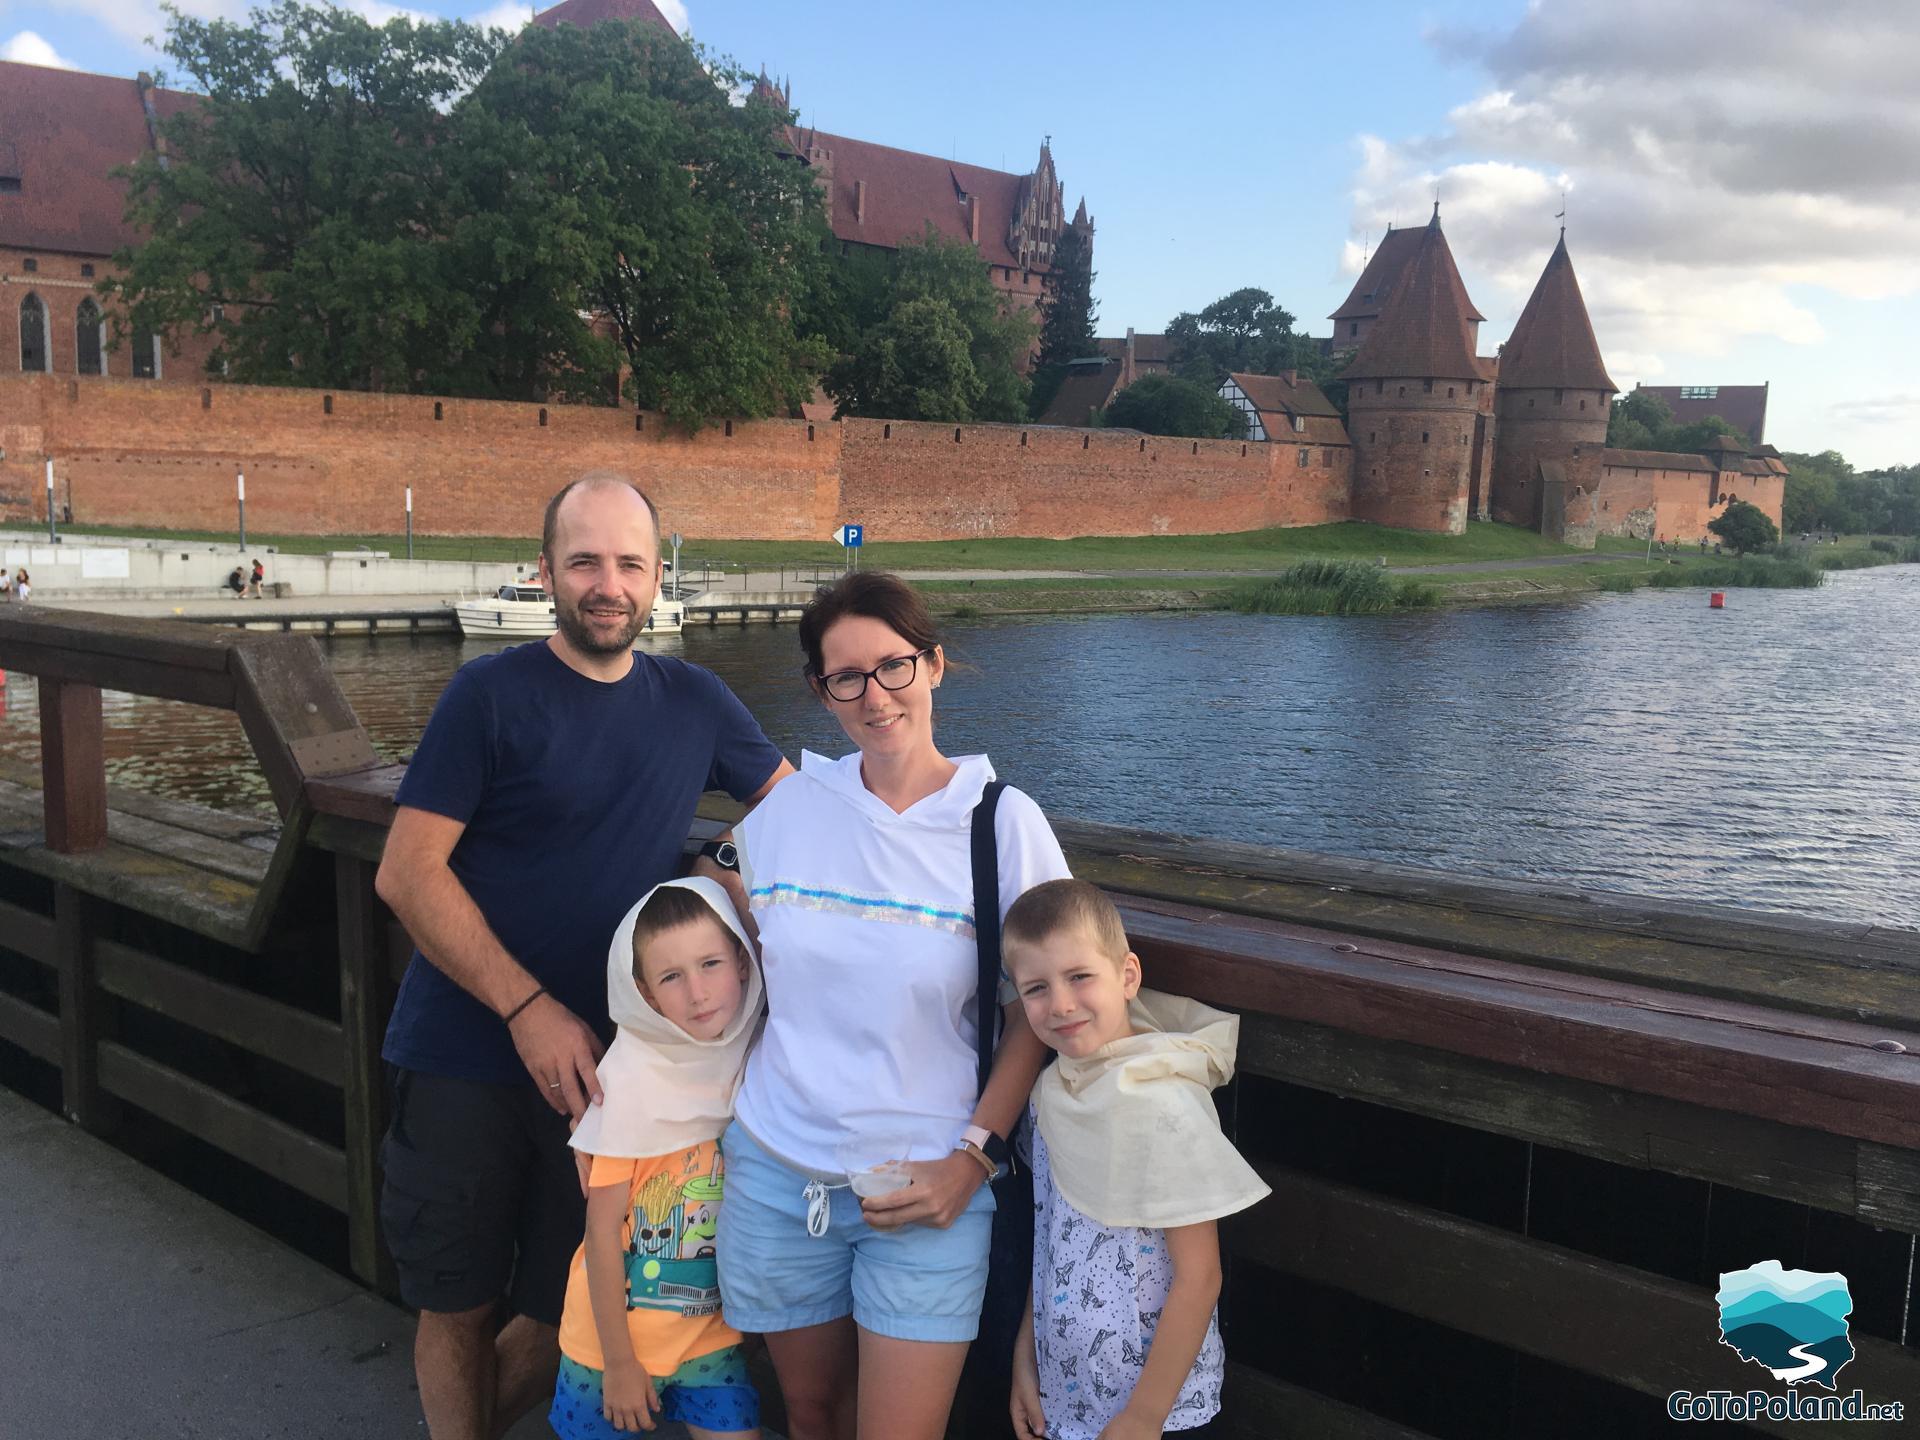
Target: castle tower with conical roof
1553, 403
1414, 397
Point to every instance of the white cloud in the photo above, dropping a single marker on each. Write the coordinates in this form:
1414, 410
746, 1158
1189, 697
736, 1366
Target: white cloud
29, 49
676, 13
1725, 164
508, 15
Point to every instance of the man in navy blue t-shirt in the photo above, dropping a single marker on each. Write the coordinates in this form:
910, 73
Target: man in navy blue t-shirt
555, 784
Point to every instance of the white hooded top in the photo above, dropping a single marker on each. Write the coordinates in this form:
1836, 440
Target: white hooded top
662, 1089
866, 933
1131, 1131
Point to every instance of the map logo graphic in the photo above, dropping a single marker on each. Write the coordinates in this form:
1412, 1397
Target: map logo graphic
1794, 1322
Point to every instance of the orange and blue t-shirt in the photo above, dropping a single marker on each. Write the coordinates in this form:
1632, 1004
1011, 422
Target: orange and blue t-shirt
667, 1240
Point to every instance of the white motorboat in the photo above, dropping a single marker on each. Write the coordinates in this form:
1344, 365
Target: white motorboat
526, 612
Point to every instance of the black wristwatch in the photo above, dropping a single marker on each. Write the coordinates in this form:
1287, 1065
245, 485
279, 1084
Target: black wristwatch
723, 853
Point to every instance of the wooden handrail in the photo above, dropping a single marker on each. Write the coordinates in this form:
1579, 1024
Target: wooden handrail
298, 722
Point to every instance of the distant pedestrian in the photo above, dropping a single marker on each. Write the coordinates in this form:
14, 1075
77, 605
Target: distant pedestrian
6, 586
22, 586
237, 583
1703, 544
253, 582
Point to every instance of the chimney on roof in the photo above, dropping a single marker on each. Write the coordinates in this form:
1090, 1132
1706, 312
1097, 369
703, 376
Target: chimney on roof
859, 202
973, 218
144, 83
1292, 377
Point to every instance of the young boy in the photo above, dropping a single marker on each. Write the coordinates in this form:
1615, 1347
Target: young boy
642, 1336
1130, 1173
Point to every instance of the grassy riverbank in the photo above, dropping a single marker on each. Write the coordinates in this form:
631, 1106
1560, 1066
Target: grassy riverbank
1251, 550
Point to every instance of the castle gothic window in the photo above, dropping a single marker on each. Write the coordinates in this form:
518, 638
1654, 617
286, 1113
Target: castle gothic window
146, 357
33, 334
1425, 436
1449, 392
88, 336
1303, 458
1426, 387
30, 265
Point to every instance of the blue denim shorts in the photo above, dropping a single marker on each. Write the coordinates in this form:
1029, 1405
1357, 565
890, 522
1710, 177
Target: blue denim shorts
918, 1283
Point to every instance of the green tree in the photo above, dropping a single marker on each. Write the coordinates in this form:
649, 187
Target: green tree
1745, 528
915, 365
867, 380
1641, 420
1067, 311
694, 238
1245, 332
297, 211
1168, 405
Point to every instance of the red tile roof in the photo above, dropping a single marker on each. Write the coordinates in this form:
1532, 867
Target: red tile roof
906, 189
1277, 395
1741, 405
1655, 460
1087, 388
588, 13
1425, 328
1375, 286
1552, 345
61, 134
1147, 349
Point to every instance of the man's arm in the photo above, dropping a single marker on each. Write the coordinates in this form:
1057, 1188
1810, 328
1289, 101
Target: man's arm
415, 880
728, 879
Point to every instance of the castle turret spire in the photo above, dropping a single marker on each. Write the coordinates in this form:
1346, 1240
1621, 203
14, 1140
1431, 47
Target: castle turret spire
1427, 325
1553, 344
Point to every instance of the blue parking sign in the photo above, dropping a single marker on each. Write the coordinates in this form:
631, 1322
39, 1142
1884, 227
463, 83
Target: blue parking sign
850, 535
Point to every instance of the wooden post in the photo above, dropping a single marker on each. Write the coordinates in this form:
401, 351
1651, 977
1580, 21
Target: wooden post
84, 1011
366, 997
73, 766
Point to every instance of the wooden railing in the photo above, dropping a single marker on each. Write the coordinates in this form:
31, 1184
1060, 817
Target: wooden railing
1437, 1074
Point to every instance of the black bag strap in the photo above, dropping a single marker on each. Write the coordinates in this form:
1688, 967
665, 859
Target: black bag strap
986, 922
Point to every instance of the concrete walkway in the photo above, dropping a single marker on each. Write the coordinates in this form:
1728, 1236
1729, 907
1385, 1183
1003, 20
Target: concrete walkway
133, 1308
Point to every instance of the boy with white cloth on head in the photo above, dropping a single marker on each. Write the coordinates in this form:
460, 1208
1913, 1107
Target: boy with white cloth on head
1121, 1340
642, 1336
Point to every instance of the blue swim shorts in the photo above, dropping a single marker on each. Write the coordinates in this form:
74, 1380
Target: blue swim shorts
711, 1391
918, 1283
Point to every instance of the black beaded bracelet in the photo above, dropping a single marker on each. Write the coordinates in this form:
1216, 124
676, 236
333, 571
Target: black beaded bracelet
514, 1014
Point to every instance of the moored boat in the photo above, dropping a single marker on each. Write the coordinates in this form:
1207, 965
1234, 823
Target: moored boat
525, 611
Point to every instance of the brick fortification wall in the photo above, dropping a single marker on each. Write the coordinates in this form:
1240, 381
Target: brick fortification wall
1413, 449
1535, 425
920, 481
126, 453
131, 453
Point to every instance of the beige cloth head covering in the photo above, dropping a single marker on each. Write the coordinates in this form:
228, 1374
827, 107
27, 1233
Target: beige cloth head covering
664, 1090
1132, 1135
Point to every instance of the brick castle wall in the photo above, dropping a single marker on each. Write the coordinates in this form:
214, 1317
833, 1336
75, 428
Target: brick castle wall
131, 453
60, 282
1539, 425
1413, 453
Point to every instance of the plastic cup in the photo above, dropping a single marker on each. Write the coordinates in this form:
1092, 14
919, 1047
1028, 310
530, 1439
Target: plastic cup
875, 1164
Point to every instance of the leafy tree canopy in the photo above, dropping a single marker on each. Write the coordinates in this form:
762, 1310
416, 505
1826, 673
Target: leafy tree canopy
424, 206
686, 228
884, 375
1169, 405
1641, 420
1245, 332
299, 208
1745, 528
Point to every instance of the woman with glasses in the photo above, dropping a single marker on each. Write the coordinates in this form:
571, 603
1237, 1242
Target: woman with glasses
860, 879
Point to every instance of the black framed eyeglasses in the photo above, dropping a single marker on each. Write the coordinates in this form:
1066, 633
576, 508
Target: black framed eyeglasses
894, 674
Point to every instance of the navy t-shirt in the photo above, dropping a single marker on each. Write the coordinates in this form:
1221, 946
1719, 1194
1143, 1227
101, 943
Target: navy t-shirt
577, 796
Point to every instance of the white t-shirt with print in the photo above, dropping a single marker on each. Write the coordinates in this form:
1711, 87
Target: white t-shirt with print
867, 945
1098, 1292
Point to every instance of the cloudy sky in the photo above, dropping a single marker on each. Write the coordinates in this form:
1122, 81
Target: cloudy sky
1741, 177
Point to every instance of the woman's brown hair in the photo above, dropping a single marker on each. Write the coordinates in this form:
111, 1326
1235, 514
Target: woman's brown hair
873, 595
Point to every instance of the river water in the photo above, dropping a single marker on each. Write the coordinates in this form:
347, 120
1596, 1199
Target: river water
1767, 755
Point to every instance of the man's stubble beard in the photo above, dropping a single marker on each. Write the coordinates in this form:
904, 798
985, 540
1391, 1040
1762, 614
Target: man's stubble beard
572, 624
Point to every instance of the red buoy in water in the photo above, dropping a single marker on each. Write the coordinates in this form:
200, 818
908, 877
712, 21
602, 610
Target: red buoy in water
1717, 600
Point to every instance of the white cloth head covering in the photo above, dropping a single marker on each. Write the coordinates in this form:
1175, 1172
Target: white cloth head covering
664, 1090
1132, 1135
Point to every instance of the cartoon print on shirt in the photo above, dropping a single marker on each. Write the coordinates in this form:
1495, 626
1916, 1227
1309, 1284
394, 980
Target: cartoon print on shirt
700, 1213
657, 1217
